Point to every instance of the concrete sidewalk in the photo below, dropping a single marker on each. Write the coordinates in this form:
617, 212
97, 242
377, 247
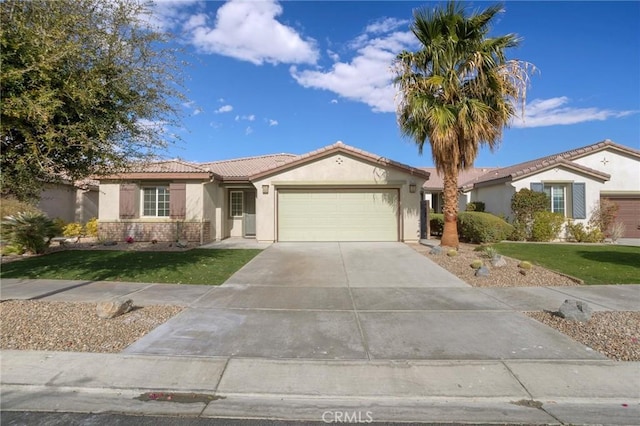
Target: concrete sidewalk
528, 392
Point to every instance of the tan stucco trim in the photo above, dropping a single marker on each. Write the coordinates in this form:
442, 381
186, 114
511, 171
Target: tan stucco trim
620, 194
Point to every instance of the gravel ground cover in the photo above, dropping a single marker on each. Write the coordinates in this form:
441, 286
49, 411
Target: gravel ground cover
74, 327
614, 334
505, 276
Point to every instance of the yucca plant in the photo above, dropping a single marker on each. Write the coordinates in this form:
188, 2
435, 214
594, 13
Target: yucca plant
31, 231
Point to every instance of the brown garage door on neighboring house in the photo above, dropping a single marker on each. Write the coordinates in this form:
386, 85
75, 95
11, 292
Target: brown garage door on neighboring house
629, 214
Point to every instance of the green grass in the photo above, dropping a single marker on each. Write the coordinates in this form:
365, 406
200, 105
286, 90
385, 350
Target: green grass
200, 266
594, 264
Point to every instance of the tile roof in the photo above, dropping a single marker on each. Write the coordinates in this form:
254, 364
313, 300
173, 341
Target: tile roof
169, 166
562, 159
465, 177
339, 147
242, 168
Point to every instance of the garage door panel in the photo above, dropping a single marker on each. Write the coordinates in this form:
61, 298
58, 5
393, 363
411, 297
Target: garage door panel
629, 214
338, 215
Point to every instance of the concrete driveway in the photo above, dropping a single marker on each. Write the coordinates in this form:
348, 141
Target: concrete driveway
353, 301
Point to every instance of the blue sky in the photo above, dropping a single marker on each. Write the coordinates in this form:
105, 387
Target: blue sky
293, 76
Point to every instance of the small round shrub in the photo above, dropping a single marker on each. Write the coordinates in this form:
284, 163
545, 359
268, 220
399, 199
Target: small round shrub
477, 264
436, 223
479, 227
525, 265
91, 228
546, 226
72, 230
452, 253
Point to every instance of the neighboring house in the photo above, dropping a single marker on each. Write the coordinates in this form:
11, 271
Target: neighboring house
70, 201
575, 181
432, 189
337, 193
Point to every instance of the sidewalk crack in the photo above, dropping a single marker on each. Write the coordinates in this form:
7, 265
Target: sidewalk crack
365, 343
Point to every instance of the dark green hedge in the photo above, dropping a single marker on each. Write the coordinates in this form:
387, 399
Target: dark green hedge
475, 227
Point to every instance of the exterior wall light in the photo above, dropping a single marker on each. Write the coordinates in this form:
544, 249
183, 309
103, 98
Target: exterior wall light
265, 189
412, 187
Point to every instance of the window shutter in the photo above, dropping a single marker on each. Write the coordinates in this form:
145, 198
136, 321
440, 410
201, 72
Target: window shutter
177, 200
128, 201
537, 186
579, 200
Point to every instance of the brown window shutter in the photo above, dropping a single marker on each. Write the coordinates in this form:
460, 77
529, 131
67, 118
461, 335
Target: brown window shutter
128, 201
177, 200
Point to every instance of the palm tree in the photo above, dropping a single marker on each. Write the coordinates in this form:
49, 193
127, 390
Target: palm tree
458, 91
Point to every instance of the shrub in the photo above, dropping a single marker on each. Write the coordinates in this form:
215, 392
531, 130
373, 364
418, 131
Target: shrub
10, 207
91, 228
603, 215
524, 205
546, 226
581, 234
59, 225
452, 253
29, 231
436, 223
478, 227
72, 230
617, 231
477, 264
475, 206
519, 231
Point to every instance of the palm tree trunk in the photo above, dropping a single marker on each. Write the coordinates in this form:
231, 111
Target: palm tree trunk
450, 209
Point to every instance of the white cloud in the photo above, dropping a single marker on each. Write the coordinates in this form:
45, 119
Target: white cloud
250, 117
273, 122
333, 55
223, 109
249, 31
333, 101
367, 77
248, 130
168, 14
385, 25
556, 112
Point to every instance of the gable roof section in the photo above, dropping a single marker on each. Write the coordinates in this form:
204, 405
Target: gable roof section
240, 169
465, 177
339, 147
563, 159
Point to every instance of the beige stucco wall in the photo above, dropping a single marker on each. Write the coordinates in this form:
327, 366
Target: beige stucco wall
497, 198
86, 205
195, 200
339, 171
108, 208
624, 169
58, 201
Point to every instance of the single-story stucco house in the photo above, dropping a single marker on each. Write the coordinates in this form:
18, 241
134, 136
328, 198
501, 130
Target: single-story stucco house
575, 181
336, 193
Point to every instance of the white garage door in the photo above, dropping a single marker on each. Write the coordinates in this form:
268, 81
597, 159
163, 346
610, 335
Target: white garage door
338, 215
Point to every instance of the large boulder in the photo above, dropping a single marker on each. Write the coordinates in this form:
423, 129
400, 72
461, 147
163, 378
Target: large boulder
113, 308
575, 310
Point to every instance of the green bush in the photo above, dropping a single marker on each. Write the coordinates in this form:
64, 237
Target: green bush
29, 231
524, 205
519, 231
475, 206
59, 224
436, 223
91, 228
478, 227
581, 234
546, 226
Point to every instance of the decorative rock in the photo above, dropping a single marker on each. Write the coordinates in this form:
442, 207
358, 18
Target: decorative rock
483, 271
182, 244
114, 308
498, 262
575, 310
436, 250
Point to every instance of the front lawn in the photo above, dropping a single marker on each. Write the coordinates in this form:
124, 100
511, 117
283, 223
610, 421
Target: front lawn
201, 266
594, 264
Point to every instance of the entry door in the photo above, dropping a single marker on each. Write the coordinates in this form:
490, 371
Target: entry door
249, 214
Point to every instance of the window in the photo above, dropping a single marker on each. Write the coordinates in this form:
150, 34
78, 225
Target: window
236, 199
155, 201
558, 196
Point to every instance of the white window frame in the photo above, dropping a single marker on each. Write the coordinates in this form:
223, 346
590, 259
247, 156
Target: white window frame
553, 189
231, 204
156, 209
